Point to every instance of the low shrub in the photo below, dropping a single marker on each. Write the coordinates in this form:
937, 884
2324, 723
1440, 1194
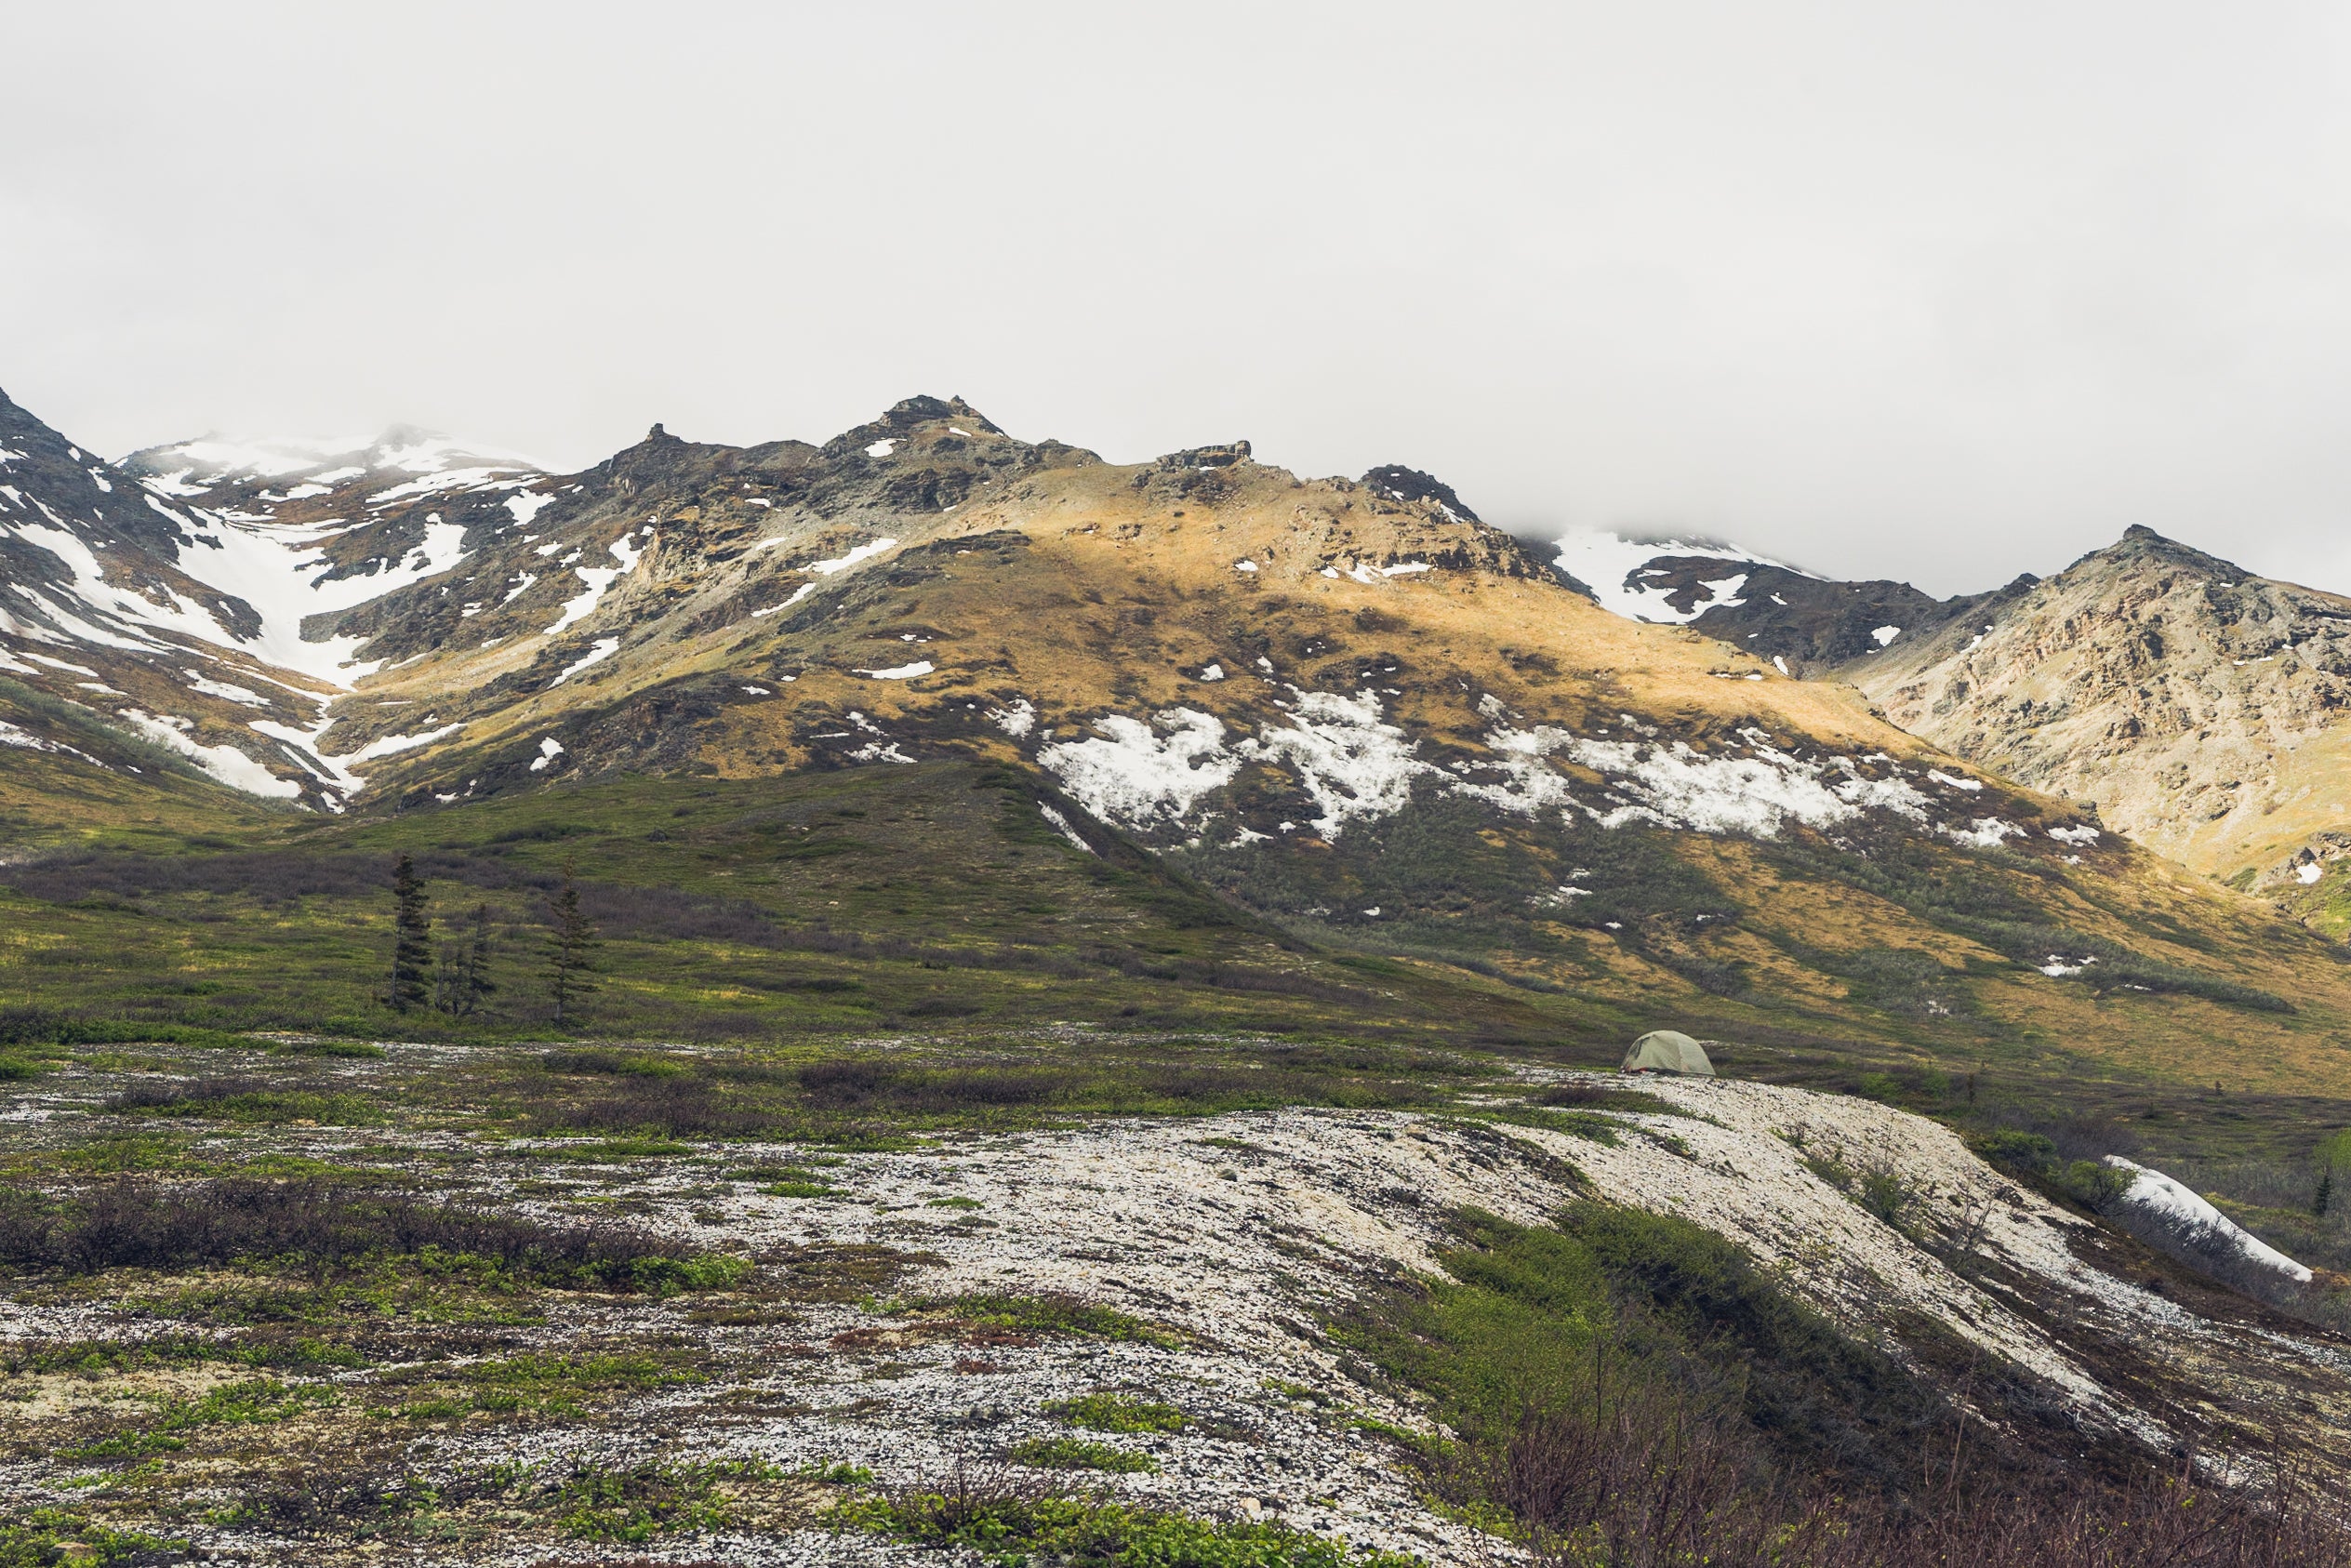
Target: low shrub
259, 1401
1119, 1413
327, 1226
1006, 1522
260, 1101
672, 1105
1077, 1454
1628, 1389
596, 1059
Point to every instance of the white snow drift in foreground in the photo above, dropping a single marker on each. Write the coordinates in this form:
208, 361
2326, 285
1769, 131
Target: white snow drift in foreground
2198, 1224
1611, 566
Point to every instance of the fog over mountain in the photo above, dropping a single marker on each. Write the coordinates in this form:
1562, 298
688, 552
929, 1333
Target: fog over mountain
1935, 298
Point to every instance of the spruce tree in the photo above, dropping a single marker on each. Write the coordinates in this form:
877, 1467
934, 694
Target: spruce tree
412, 938
462, 982
475, 984
571, 944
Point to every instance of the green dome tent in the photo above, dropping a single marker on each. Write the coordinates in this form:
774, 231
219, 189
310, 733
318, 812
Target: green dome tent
1667, 1050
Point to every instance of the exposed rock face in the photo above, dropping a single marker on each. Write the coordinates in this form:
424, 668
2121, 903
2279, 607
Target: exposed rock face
2195, 703
1809, 627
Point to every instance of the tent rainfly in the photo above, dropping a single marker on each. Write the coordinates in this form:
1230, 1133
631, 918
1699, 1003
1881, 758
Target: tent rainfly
1667, 1050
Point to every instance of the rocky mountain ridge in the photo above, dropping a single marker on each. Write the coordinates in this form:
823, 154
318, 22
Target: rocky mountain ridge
2194, 705
1349, 706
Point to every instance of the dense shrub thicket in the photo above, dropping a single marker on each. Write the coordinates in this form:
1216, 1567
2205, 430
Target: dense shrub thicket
1628, 1390
324, 1227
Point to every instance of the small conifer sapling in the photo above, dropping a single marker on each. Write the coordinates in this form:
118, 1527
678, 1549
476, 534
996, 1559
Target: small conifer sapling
462, 983
571, 946
411, 940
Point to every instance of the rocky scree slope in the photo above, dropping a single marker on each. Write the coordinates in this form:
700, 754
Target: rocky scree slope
2200, 706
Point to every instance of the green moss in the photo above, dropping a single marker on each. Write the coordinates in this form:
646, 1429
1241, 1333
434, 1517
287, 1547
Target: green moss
40, 1537
1584, 1124
636, 1504
1119, 1413
257, 1403
1077, 1454
799, 1189
1018, 1530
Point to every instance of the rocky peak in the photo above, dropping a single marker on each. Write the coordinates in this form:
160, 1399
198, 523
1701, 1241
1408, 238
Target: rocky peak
49, 481
2140, 545
1412, 484
2192, 700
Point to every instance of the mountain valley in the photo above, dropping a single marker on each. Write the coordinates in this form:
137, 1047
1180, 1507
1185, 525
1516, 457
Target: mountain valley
1068, 931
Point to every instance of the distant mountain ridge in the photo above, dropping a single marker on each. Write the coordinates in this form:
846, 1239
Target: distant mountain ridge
220, 598
2197, 706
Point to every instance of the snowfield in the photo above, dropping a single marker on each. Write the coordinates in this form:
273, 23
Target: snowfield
1358, 766
1613, 567
2194, 1226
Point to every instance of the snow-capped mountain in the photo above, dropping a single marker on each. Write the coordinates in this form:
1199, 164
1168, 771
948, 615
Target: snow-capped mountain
1341, 705
1801, 622
1662, 581
173, 591
262, 475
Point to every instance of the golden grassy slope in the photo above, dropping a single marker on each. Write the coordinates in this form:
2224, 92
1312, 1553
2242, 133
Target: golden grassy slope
1088, 589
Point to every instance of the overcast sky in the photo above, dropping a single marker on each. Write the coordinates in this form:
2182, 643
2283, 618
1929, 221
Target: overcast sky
1935, 292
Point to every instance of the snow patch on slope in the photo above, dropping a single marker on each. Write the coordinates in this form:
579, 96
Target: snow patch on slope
605, 648
277, 571
1357, 766
1134, 773
1351, 761
226, 763
1612, 566
599, 581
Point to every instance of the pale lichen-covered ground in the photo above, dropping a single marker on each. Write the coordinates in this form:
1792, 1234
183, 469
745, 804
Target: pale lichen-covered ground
1241, 1234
